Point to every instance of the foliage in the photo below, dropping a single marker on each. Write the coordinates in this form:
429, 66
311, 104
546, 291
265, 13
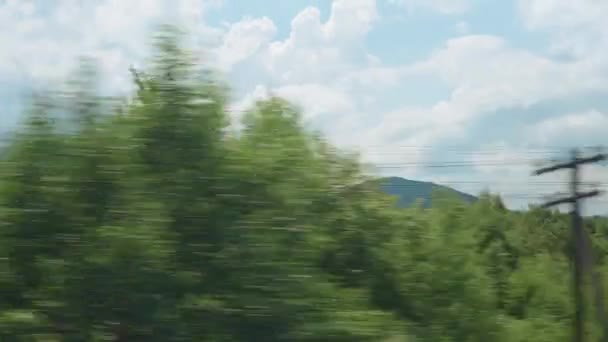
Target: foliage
153, 223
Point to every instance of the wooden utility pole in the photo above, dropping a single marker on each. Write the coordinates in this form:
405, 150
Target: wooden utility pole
581, 243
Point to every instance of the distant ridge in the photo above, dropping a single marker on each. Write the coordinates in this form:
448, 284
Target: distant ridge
409, 191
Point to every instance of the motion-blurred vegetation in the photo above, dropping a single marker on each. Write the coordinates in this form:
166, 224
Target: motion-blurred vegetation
150, 220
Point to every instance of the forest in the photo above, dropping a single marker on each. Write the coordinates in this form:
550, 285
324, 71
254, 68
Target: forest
147, 218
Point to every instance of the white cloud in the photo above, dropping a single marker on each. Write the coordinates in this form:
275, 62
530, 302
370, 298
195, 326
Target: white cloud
237, 109
350, 20
379, 76
259, 93
316, 51
484, 72
314, 66
577, 27
476, 62
502, 158
441, 6
324, 66
563, 14
40, 42
573, 127
486, 75
305, 67
317, 99
244, 39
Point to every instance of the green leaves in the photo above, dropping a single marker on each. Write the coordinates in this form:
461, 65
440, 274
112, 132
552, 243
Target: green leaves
154, 224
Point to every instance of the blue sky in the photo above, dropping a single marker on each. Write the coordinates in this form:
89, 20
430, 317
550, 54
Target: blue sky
493, 85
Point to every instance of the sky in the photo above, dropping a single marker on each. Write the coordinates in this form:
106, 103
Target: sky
474, 94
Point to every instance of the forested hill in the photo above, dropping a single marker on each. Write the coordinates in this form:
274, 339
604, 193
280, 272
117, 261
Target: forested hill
409, 191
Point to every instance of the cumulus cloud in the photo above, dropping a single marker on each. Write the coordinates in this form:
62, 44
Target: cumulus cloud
41, 41
509, 74
577, 27
324, 65
243, 39
312, 66
318, 50
260, 92
563, 14
317, 98
486, 75
573, 127
441, 6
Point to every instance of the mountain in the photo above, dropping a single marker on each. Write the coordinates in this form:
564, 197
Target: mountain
409, 191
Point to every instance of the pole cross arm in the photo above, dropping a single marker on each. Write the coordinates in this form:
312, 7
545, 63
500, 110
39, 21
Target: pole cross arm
571, 164
571, 199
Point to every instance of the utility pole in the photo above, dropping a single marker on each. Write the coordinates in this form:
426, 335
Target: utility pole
581, 242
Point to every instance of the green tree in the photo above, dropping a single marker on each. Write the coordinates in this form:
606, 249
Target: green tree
151, 222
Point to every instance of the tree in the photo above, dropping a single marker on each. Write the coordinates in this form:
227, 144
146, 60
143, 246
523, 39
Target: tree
152, 223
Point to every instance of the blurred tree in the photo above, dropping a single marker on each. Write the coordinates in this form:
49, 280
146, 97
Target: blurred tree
149, 222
